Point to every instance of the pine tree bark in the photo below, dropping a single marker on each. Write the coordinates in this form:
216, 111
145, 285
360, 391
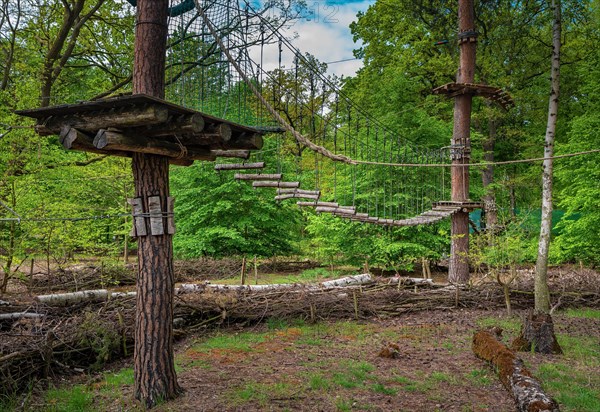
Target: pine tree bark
542, 293
461, 145
154, 365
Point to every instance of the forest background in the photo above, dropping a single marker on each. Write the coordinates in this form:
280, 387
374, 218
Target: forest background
58, 204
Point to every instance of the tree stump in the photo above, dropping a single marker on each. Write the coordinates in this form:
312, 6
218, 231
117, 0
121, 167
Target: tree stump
537, 333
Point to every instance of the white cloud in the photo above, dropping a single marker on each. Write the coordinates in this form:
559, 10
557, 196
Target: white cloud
326, 35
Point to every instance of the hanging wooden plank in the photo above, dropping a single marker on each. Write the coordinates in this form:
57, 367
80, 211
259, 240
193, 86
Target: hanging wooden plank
139, 223
296, 196
269, 183
171, 215
386, 222
315, 204
156, 218
340, 209
240, 154
239, 166
298, 192
113, 140
91, 122
248, 176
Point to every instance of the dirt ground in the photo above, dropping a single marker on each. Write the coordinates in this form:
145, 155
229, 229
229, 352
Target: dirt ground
335, 364
337, 367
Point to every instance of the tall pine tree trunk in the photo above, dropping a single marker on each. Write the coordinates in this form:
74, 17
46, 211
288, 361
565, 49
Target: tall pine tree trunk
542, 293
458, 271
154, 365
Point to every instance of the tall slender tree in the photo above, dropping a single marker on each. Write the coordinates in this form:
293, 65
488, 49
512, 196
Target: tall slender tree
542, 293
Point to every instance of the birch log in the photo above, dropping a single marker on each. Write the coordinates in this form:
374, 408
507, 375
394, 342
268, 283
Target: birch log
356, 280
525, 389
411, 281
20, 315
63, 299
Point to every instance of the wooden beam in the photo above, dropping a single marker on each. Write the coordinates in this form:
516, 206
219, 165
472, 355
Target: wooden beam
240, 154
73, 139
91, 122
181, 125
113, 140
245, 141
69, 137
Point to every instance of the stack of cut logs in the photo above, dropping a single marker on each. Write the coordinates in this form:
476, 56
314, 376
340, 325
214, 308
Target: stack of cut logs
142, 124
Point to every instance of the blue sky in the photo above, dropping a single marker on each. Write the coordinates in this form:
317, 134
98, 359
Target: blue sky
325, 33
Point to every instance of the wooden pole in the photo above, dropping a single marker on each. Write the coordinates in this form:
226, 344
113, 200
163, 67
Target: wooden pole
243, 274
461, 144
255, 271
154, 365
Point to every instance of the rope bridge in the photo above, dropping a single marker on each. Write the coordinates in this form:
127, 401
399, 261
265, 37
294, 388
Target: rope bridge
217, 64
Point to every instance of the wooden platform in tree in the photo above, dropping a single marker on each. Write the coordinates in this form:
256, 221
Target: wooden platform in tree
140, 123
495, 94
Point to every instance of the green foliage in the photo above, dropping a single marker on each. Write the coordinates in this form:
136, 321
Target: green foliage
73, 399
587, 313
336, 240
218, 216
99, 334
579, 238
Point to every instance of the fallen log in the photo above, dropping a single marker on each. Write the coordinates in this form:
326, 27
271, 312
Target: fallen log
525, 389
63, 299
20, 315
356, 280
410, 281
97, 295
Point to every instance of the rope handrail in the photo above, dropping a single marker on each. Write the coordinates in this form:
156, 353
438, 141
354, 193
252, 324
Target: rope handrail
341, 158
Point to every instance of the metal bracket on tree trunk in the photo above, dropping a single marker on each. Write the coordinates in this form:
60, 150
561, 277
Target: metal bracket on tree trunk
154, 215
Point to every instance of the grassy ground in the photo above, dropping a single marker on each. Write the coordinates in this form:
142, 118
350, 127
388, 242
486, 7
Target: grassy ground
334, 366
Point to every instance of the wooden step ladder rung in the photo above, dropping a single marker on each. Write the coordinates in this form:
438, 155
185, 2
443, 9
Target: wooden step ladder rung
298, 192
317, 204
239, 166
296, 196
250, 176
275, 183
346, 210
